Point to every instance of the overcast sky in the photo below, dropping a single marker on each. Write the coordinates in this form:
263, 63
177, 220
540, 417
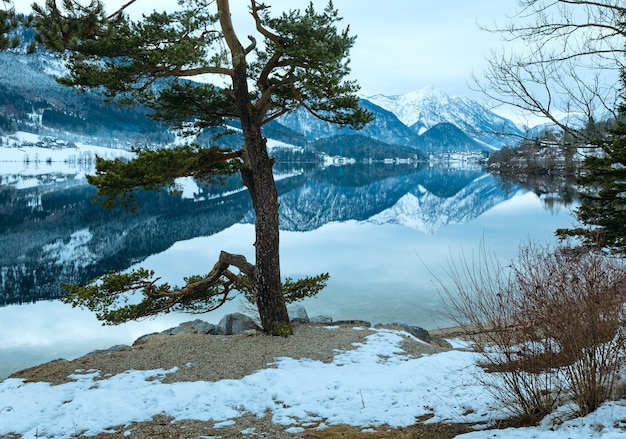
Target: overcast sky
402, 45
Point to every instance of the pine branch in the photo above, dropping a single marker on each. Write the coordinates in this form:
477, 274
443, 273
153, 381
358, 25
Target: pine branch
108, 295
155, 169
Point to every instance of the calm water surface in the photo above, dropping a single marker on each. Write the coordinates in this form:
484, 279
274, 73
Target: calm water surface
385, 235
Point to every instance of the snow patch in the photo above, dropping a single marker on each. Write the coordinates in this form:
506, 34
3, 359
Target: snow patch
76, 250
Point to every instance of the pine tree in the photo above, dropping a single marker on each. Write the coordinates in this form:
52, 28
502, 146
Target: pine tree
301, 62
8, 22
602, 212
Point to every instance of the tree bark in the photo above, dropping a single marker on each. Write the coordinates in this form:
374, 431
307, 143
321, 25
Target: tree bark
258, 177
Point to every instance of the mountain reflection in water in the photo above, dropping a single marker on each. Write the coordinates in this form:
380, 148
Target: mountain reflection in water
384, 233
53, 233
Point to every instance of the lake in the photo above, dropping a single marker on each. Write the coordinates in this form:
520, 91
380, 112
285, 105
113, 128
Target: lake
385, 233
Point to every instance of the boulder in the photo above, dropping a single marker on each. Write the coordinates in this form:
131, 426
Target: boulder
424, 335
325, 320
115, 348
205, 328
297, 313
415, 331
236, 323
194, 327
144, 338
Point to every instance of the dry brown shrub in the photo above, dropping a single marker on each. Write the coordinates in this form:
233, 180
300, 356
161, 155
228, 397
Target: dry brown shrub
576, 299
549, 324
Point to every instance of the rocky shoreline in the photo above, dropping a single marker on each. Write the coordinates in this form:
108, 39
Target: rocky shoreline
232, 349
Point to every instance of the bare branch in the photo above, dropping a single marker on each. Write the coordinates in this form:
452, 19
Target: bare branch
252, 45
573, 50
121, 9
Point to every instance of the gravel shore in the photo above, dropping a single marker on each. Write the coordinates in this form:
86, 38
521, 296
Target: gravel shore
215, 357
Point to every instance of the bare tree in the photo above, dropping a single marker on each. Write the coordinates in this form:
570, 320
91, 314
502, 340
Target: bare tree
565, 60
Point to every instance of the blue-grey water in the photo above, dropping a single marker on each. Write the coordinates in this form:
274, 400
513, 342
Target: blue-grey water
384, 233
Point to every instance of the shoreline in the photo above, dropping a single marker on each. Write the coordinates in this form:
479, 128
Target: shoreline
245, 353
40, 357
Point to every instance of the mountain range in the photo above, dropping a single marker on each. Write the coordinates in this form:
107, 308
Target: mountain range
427, 120
429, 107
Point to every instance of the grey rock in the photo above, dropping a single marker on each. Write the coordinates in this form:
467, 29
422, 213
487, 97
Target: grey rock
415, 331
144, 338
194, 327
424, 335
115, 348
236, 323
321, 319
180, 329
297, 313
205, 328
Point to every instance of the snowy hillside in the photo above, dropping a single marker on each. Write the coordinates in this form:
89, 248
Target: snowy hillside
32, 100
28, 160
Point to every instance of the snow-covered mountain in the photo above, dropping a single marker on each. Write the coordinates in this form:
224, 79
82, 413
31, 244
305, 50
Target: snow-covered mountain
426, 108
385, 127
428, 120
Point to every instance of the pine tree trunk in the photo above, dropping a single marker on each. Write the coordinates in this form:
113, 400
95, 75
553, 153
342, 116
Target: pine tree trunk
266, 284
259, 179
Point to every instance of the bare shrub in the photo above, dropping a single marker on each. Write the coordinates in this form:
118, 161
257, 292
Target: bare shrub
549, 322
482, 300
577, 299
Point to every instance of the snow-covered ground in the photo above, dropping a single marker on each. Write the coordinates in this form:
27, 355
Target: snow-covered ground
371, 385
